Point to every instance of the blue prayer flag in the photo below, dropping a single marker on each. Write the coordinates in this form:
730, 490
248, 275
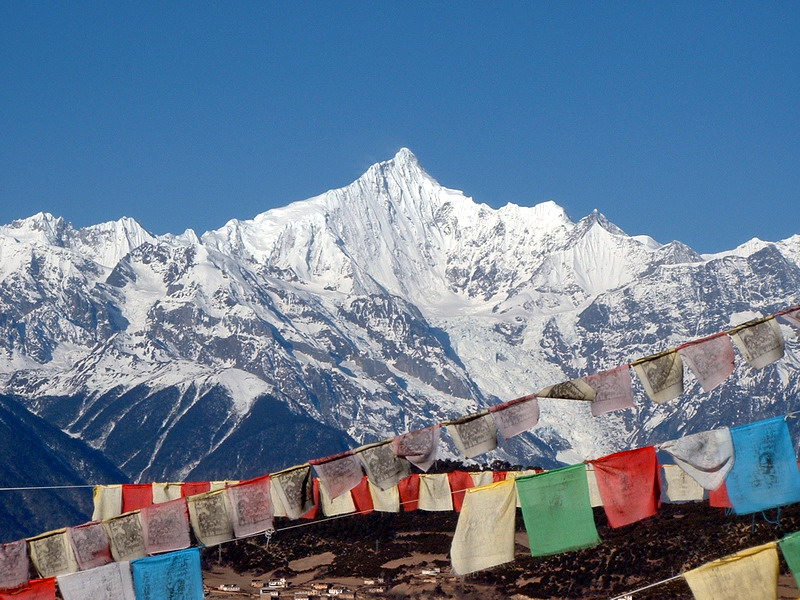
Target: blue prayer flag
173, 576
764, 473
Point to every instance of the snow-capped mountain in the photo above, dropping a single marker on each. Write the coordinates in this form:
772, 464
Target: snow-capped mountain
383, 306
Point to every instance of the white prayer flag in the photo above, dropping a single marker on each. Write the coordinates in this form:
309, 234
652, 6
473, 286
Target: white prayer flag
340, 475
662, 376
90, 545
334, 506
166, 492
513, 419
385, 500
418, 447
51, 554
474, 435
165, 526
706, 456
760, 344
434, 492
383, 467
612, 389
484, 536
126, 536
292, 492
109, 582
251, 506
209, 514
680, 486
107, 502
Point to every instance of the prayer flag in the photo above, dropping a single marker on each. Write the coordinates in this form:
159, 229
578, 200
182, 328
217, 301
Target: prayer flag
751, 574
165, 526
481, 478
36, 589
340, 474
662, 376
192, 488
136, 496
109, 582
173, 576
409, 492
362, 498
498, 476
765, 473
460, 482
51, 554
314, 510
612, 389
629, 485
418, 447
594, 492
718, 498
711, 361
210, 518
125, 536
484, 536
790, 548
793, 317
221, 485
90, 545
251, 506
516, 416
107, 502
295, 488
706, 456
383, 467
556, 510
385, 500
679, 486
575, 389
340, 505
761, 344
474, 435
14, 565
434, 492
164, 492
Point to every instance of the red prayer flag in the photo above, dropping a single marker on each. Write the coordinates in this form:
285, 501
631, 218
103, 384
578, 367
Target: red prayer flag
136, 496
409, 492
629, 484
460, 482
191, 488
718, 498
499, 476
362, 498
37, 589
312, 513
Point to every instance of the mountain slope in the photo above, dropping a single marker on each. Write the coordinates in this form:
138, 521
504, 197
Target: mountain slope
379, 307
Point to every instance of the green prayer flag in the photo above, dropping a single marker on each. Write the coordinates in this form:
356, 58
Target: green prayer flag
557, 512
790, 548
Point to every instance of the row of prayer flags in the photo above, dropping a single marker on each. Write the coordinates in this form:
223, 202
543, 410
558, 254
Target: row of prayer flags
175, 575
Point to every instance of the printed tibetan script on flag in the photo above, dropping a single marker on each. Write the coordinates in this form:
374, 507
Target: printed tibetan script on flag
14, 564
760, 344
210, 518
165, 526
474, 435
340, 475
612, 389
295, 489
575, 389
484, 535
51, 554
173, 576
126, 537
418, 447
706, 456
251, 506
764, 474
711, 361
383, 467
109, 582
662, 376
90, 545
514, 418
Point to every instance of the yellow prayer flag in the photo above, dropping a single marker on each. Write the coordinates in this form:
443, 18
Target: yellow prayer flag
751, 574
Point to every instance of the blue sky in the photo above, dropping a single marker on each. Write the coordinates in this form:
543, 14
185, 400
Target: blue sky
676, 119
